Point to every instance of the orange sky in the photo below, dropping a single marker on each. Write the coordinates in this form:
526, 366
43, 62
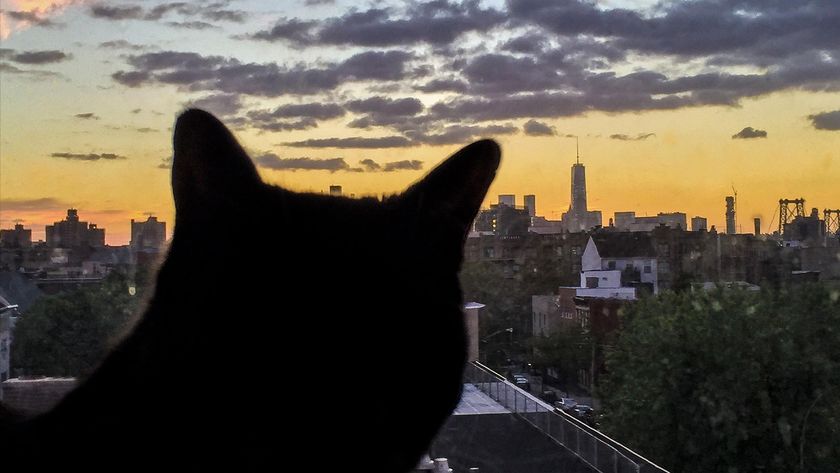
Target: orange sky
689, 164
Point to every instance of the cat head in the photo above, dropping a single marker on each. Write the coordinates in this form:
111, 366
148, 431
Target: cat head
336, 290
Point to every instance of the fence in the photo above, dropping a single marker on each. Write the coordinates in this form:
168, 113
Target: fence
593, 448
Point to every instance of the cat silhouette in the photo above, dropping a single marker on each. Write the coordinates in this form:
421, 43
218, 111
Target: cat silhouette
287, 331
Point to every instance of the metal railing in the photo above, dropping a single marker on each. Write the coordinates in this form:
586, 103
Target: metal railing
593, 448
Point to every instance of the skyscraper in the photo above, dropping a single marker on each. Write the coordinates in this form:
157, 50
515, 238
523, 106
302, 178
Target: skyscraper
579, 218
578, 188
730, 215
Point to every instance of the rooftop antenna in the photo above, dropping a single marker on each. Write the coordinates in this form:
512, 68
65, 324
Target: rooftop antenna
577, 147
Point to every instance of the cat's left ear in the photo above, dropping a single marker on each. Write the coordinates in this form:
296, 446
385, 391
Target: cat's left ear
452, 193
208, 164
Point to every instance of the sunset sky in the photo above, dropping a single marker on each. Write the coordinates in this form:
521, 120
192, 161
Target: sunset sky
674, 103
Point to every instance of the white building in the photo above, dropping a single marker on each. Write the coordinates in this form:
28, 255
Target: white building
610, 261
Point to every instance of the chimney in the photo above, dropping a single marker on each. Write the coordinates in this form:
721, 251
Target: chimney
757, 222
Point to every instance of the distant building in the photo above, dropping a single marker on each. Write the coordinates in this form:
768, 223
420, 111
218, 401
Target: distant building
552, 313
150, 234
507, 199
629, 222
18, 237
730, 215
579, 218
531, 205
805, 231
544, 226
335, 191
73, 233
503, 220
699, 224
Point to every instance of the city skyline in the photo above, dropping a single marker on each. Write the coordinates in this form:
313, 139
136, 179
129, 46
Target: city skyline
367, 98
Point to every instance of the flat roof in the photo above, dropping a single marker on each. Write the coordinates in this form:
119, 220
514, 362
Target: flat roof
474, 402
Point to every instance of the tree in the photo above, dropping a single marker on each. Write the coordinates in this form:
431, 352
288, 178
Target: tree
567, 351
506, 290
730, 380
68, 334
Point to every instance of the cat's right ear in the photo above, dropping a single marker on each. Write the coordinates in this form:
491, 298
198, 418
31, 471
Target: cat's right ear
208, 164
451, 194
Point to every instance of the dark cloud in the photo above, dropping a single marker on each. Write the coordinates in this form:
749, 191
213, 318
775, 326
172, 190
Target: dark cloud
29, 73
443, 85
136, 110
109, 12
318, 110
30, 17
545, 104
212, 12
406, 165
293, 116
235, 16
87, 116
34, 57
639, 137
312, 3
535, 128
370, 165
192, 25
131, 78
145, 129
165, 163
826, 120
749, 132
455, 134
385, 106
293, 30
499, 73
24, 205
285, 125
531, 43
121, 44
272, 161
223, 105
375, 65
218, 74
88, 156
354, 142
705, 27
439, 22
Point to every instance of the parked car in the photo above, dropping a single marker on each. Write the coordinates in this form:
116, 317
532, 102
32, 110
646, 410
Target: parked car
522, 382
565, 403
584, 413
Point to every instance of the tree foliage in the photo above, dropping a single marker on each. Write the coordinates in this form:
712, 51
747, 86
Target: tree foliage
68, 334
567, 351
505, 289
730, 380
